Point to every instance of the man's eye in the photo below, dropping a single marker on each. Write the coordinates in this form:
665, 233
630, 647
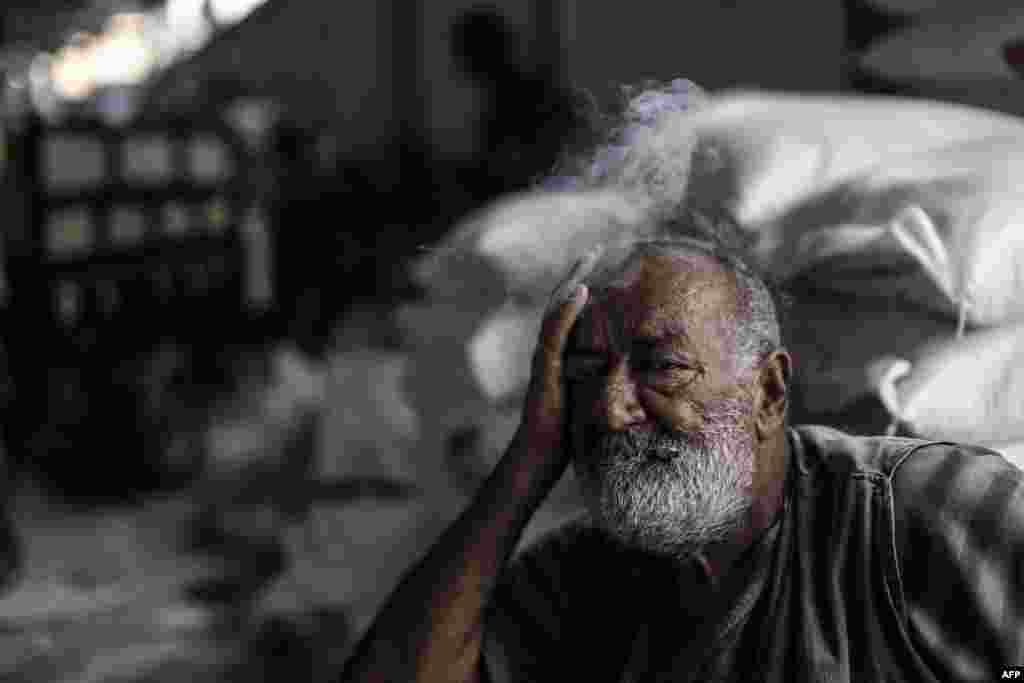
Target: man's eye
662, 365
662, 370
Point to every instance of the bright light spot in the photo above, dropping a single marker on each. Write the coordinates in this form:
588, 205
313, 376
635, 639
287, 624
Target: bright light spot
186, 23
227, 12
130, 49
122, 55
71, 73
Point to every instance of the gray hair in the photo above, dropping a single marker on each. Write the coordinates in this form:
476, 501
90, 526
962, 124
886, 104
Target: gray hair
758, 334
760, 301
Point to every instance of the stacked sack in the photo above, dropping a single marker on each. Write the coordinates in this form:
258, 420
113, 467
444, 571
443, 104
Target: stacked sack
907, 211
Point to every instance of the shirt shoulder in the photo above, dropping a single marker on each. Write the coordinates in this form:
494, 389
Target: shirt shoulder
940, 486
937, 484
821, 448
958, 514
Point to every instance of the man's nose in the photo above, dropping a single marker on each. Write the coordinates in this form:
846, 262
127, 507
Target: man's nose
621, 407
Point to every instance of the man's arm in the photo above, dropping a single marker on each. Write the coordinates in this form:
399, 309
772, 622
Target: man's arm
431, 627
960, 535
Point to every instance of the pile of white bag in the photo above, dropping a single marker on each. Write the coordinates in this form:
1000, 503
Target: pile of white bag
911, 209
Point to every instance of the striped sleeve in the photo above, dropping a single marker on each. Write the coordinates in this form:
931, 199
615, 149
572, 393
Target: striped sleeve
959, 518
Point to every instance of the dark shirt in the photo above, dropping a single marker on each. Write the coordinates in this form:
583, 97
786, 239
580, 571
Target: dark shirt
893, 560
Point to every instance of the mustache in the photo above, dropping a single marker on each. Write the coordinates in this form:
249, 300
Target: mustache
658, 444
720, 423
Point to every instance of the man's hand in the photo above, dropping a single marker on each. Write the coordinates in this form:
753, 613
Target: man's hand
432, 627
542, 431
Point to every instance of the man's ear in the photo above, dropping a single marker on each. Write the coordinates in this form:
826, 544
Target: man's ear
772, 393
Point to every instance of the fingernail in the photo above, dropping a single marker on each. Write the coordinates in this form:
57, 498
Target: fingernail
575, 295
565, 296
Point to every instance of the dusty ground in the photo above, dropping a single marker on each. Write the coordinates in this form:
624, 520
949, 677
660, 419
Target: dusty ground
101, 597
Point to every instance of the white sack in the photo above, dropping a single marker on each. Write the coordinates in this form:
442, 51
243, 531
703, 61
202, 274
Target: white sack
855, 182
968, 389
523, 244
835, 338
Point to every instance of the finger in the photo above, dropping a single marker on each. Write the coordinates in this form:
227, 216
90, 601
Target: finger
580, 270
558, 324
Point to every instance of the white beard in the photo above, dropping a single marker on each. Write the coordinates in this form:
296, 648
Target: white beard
672, 494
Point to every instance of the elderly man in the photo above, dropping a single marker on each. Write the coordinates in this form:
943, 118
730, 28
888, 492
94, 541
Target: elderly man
720, 544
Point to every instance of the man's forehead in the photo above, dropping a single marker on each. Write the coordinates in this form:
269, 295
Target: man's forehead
659, 295
661, 278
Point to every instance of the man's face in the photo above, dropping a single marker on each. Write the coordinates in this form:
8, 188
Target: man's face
661, 415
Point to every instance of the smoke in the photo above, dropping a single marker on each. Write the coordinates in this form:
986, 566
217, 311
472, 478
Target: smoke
644, 151
631, 174
621, 179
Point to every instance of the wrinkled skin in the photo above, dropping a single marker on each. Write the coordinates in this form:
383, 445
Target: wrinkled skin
676, 443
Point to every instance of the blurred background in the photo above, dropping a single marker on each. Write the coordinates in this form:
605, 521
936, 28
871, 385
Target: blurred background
229, 421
